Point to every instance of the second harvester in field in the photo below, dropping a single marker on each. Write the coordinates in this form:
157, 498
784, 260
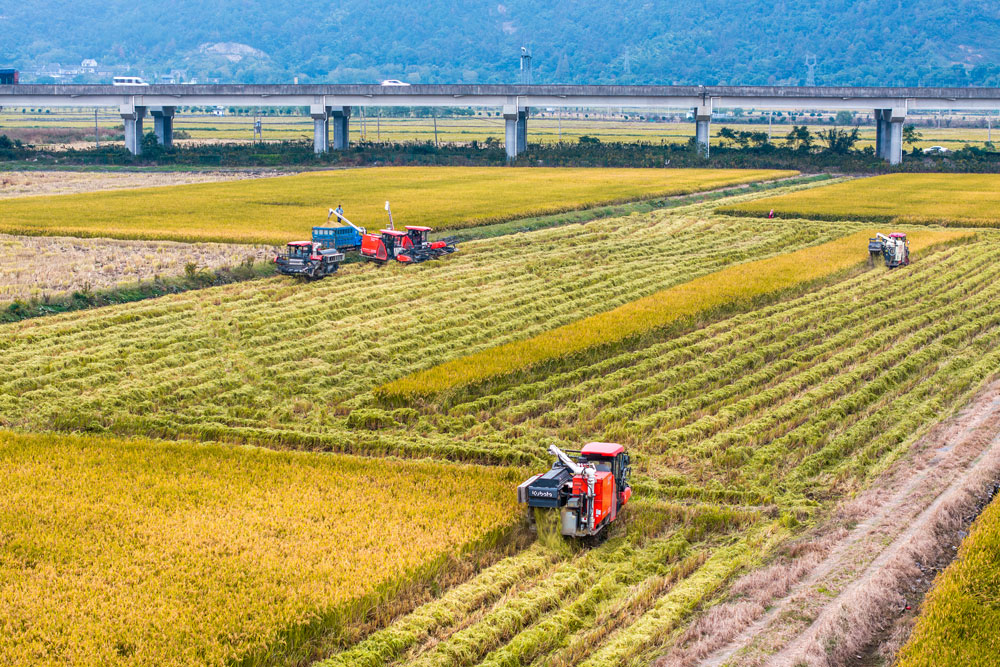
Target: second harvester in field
587, 493
894, 249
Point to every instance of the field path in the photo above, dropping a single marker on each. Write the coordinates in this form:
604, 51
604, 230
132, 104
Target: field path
853, 591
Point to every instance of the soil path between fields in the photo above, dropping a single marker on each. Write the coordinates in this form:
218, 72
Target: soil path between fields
854, 577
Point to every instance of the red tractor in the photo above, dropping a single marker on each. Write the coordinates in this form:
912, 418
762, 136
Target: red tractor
308, 259
409, 247
588, 493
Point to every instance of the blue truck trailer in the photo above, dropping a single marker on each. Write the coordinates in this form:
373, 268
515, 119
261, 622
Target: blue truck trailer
339, 238
347, 237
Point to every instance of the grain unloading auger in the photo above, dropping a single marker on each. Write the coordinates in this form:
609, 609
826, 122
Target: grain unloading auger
894, 249
588, 493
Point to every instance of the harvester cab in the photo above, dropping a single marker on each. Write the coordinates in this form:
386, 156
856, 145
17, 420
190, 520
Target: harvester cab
894, 249
435, 249
411, 246
308, 259
588, 492
388, 244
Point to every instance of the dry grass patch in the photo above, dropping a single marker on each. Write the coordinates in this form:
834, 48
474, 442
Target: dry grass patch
36, 268
29, 183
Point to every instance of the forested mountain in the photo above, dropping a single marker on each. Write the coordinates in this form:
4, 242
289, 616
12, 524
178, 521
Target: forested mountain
895, 42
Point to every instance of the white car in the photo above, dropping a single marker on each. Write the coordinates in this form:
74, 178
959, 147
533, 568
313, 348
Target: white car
937, 149
394, 82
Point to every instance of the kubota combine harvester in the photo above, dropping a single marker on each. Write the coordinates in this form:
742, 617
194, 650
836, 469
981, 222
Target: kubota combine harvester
894, 249
588, 493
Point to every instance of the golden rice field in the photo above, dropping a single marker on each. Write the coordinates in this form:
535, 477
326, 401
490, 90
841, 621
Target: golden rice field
961, 200
277, 210
960, 616
541, 129
733, 284
745, 424
230, 363
152, 553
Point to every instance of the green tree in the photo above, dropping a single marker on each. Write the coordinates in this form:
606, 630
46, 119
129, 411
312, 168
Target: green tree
910, 135
840, 141
800, 138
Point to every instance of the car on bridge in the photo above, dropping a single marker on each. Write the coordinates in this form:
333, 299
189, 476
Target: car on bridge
393, 82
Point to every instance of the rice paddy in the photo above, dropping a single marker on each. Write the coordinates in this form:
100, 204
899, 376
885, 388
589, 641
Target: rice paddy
277, 210
154, 553
960, 200
958, 621
751, 367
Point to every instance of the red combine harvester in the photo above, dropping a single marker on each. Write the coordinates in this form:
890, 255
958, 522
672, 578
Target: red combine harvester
588, 493
408, 247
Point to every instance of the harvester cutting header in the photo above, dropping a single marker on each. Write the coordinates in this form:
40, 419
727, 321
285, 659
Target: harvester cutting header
323, 255
588, 493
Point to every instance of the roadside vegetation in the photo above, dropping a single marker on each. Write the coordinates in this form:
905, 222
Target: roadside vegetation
276, 210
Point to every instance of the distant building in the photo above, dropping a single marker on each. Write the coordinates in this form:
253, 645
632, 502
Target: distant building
89, 65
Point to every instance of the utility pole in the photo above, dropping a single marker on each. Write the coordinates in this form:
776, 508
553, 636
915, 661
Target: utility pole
811, 69
97, 134
435, 127
378, 125
525, 66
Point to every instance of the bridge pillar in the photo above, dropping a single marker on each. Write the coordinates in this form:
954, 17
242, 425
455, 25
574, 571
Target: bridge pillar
163, 125
341, 118
703, 121
894, 142
882, 133
321, 128
522, 130
515, 130
132, 117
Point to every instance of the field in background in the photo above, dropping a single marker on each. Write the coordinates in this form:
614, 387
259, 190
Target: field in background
151, 553
40, 267
201, 128
960, 616
971, 200
282, 209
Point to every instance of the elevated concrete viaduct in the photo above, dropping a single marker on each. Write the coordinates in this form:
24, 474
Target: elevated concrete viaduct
333, 103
